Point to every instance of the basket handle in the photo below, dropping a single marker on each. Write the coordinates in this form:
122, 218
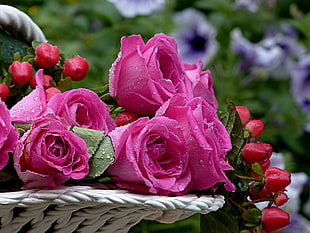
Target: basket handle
20, 25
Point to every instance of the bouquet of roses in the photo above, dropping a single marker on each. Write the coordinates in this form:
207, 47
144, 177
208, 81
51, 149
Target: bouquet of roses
154, 129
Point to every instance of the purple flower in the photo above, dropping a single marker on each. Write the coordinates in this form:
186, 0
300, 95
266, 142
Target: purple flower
274, 54
195, 37
248, 5
132, 8
300, 85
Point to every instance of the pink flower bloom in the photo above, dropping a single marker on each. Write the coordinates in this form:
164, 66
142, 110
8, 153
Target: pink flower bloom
183, 147
202, 82
83, 108
150, 157
206, 138
31, 105
8, 135
144, 76
49, 154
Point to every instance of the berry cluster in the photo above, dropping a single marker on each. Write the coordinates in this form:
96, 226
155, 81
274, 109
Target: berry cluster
265, 183
58, 71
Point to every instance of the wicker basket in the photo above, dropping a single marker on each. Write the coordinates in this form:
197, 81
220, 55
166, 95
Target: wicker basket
97, 208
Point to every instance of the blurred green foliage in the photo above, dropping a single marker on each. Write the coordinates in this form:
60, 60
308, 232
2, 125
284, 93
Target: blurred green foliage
93, 28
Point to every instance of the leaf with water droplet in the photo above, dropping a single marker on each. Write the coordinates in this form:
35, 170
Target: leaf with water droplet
91, 137
103, 157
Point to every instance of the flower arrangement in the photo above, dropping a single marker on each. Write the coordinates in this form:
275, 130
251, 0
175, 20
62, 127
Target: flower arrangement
154, 129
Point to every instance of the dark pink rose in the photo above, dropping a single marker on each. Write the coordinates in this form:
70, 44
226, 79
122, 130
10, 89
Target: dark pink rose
49, 154
207, 140
8, 135
202, 83
151, 157
144, 76
83, 108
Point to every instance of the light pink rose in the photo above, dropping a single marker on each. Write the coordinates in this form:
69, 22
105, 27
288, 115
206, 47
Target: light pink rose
202, 83
32, 105
49, 154
151, 157
83, 108
206, 138
144, 76
8, 135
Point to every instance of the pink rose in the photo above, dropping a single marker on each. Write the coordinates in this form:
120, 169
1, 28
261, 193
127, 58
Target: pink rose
206, 138
49, 154
83, 108
8, 135
144, 76
150, 157
31, 105
202, 83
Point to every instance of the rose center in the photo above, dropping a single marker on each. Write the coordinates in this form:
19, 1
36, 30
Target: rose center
57, 149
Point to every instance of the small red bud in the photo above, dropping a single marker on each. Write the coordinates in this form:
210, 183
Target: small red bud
276, 179
46, 55
21, 72
51, 91
255, 128
45, 81
274, 219
257, 195
4, 91
124, 118
256, 152
244, 114
280, 198
76, 68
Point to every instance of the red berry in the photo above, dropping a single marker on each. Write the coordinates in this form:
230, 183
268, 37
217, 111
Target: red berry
21, 72
257, 195
244, 114
45, 81
274, 219
76, 68
51, 91
4, 91
124, 118
256, 152
255, 127
280, 198
276, 179
46, 55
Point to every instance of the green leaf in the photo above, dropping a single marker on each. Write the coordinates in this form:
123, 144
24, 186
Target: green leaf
65, 84
218, 221
92, 138
8, 47
257, 168
103, 157
252, 215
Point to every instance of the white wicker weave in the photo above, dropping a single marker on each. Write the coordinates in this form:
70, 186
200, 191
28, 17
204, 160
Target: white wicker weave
94, 209
20, 25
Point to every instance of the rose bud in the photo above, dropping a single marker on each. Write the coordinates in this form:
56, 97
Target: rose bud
276, 179
256, 152
274, 219
255, 128
244, 114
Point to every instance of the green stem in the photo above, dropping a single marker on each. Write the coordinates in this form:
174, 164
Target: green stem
249, 178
